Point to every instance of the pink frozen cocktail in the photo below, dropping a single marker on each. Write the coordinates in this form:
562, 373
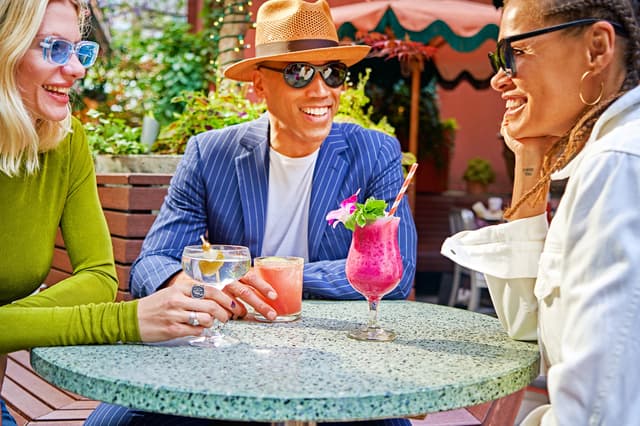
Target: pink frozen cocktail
374, 268
374, 265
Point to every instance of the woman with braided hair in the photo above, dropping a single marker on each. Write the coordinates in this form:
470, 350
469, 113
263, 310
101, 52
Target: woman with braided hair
568, 72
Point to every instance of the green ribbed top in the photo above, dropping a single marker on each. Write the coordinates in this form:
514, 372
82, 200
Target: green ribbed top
62, 193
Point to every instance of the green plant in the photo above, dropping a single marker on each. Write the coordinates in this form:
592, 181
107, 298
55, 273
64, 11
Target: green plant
224, 107
479, 170
355, 107
112, 135
153, 57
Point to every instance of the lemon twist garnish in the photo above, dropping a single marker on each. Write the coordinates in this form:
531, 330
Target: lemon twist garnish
210, 267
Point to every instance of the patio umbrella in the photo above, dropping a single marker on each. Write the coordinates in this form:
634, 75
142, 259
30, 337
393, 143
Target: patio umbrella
463, 32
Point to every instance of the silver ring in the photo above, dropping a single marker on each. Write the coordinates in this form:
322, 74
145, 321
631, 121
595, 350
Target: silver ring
197, 291
193, 319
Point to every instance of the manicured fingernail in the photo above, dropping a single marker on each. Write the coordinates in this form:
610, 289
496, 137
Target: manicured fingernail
272, 295
233, 304
271, 315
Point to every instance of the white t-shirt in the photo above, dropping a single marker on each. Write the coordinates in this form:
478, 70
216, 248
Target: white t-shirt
288, 201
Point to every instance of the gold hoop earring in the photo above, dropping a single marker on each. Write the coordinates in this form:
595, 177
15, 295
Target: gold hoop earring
586, 73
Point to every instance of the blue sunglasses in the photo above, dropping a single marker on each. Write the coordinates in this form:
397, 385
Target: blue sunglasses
58, 51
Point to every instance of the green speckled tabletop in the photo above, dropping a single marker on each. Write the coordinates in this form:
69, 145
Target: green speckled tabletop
309, 370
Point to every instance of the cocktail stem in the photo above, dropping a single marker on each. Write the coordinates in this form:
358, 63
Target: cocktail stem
373, 313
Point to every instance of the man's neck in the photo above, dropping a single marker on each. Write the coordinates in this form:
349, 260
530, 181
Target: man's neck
287, 143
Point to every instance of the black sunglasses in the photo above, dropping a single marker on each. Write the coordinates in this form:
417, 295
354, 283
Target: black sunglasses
300, 74
504, 59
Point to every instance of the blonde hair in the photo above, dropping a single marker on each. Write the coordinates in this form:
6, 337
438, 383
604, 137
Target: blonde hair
566, 148
22, 139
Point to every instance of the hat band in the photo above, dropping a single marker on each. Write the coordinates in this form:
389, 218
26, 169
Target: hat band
280, 47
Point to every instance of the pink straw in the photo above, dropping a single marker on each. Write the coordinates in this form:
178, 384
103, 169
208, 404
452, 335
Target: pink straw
403, 189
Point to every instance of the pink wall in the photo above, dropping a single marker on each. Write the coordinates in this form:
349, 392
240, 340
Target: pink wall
479, 113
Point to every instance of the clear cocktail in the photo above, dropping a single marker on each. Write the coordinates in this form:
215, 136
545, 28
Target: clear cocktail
216, 266
285, 276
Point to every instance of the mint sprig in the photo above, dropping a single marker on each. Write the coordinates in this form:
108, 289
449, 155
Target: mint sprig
372, 209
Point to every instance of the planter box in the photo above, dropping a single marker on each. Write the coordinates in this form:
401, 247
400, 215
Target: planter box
146, 163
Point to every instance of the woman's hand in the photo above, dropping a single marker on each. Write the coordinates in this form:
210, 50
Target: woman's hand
533, 147
530, 155
245, 289
168, 313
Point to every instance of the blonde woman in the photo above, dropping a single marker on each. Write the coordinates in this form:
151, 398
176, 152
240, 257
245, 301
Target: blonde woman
47, 182
568, 71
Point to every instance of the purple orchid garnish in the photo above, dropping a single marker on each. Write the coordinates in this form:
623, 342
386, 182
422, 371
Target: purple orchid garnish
347, 207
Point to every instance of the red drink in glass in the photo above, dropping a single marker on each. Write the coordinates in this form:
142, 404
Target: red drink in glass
374, 268
285, 274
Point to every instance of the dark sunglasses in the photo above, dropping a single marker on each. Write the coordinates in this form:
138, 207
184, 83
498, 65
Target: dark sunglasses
58, 51
504, 59
300, 74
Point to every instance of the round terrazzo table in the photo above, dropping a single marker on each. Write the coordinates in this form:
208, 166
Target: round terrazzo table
309, 370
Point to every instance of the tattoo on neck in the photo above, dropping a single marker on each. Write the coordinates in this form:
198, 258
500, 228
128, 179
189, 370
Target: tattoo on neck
528, 171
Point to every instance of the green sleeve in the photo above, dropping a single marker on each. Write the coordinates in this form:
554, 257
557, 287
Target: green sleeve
85, 234
26, 327
74, 310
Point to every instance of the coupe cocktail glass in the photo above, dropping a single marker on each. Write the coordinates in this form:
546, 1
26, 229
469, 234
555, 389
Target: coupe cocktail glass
374, 268
217, 266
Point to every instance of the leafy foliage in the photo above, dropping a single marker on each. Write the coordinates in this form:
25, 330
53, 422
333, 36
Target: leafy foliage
155, 57
355, 107
479, 170
224, 107
372, 209
112, 135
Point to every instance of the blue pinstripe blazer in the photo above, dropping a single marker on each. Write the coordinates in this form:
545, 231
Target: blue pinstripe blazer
220, 189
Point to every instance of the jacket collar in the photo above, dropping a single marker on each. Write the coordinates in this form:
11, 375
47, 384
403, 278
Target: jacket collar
610, 118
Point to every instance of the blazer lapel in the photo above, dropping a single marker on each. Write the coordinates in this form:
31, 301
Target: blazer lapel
252, 171
330, 170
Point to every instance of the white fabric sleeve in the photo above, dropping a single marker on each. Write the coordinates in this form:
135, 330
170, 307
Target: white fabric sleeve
507, 254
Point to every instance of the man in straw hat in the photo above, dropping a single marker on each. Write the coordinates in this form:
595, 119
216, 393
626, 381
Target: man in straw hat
268, 184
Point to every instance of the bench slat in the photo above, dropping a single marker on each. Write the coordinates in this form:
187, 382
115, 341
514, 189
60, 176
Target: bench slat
34, 401
127, 224
34, 385
65, 414
21, 401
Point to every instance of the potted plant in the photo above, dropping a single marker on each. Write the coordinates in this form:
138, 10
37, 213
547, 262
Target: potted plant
478, 175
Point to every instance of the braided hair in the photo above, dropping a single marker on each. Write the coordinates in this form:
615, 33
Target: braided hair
624, 12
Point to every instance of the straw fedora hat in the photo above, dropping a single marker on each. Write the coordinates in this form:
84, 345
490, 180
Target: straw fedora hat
295, 31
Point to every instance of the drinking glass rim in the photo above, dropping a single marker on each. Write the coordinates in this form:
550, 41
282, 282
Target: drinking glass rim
224, 248
280, 260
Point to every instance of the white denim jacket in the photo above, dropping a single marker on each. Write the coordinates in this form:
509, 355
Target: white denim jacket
575, 284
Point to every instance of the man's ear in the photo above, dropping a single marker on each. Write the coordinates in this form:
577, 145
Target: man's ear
601, 38
258, 83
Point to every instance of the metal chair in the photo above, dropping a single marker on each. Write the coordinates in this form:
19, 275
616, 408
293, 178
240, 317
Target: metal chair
464, 220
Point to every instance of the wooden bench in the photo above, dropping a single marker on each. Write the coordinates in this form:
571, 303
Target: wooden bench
33, 401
